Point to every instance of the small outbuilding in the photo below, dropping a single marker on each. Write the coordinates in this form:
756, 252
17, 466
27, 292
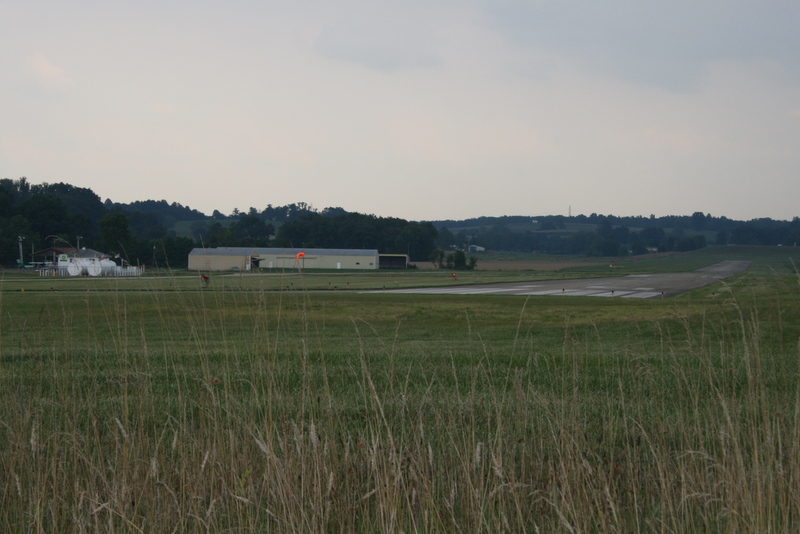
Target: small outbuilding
247, 259
393, 261
70, 261
54, 255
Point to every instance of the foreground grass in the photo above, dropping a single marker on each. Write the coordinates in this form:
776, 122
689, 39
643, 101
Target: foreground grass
162, 411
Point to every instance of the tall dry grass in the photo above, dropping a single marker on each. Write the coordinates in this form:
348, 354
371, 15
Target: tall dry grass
163, 413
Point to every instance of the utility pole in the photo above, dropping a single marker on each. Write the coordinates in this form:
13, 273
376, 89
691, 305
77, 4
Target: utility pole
20, 238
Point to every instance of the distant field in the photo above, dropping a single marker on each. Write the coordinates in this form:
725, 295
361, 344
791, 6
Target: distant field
771, 257
271, 403
495, 268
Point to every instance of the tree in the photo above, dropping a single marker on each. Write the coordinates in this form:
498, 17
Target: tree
605, 228
437, 258
691, 243
10, 230
333, 212
115, 235
446, 239
46, 215
355, 230
605, 246
652, 236
251, 231
415, 239
461, 239
76, 199
80, 224
146, 226
218, 236
698, 221
621, 234
6, 203
459, 260
639, 248
172, 251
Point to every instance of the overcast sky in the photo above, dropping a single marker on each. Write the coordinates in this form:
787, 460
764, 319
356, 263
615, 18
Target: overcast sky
417, 109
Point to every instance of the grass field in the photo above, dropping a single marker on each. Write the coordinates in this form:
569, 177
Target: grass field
539, 268
158, 405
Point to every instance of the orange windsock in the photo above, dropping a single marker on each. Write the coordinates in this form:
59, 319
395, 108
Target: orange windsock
299, 255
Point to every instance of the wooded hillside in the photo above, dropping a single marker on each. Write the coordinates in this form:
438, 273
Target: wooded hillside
156, 232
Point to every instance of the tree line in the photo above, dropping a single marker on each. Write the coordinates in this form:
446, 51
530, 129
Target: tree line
604, 240
614, 236
62, 215
145, 232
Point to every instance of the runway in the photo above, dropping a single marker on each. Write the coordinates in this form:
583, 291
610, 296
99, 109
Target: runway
635, 286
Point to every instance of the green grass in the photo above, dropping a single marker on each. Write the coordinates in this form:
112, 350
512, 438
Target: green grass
772, 259
166, 409
182, 280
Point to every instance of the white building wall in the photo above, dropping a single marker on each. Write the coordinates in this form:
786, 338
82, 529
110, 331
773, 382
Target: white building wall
212, 260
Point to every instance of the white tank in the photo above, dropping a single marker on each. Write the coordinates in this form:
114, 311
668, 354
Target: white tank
73, 269
109, 267
94, 269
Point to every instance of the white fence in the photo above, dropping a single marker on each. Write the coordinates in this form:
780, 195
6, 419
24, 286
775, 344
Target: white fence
115, 271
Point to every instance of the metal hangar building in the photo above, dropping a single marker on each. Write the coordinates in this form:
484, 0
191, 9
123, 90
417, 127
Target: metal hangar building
247, 259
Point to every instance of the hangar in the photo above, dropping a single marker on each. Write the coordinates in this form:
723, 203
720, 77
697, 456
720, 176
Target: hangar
246, 259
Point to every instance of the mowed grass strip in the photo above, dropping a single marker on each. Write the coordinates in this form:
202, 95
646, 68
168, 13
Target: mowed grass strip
290, 411
774, 259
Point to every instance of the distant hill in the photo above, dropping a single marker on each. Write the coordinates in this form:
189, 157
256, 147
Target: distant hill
697, 221
608, 235
155, 231
167, 213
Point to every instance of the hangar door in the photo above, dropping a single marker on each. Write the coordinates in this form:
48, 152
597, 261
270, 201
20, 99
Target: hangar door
290, 262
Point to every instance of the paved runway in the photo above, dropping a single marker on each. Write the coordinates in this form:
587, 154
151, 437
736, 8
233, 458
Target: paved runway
635, 286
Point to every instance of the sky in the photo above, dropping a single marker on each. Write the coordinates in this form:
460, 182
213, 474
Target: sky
423, 110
